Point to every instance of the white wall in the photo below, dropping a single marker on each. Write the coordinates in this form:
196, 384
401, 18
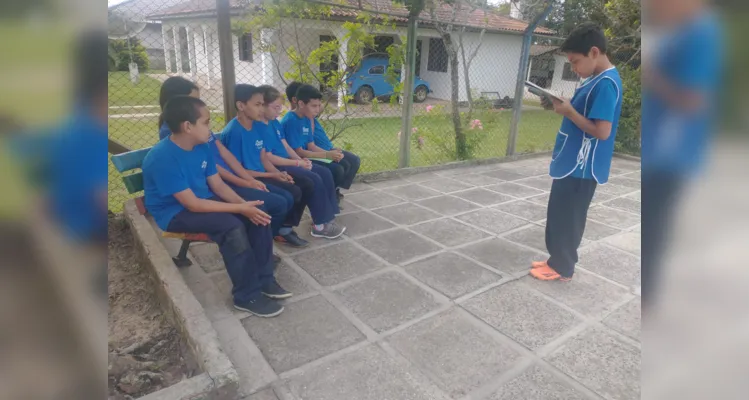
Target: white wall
558, 85
493, 70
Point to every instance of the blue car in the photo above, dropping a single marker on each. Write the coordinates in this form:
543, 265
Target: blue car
368, 81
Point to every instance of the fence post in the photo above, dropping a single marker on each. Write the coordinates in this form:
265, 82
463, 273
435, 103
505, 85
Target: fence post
404, 156
517, 106
226, 55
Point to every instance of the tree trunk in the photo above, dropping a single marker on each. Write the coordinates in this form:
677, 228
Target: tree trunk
466, 76
461, 148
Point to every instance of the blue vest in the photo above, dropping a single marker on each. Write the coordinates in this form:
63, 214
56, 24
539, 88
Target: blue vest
576, 151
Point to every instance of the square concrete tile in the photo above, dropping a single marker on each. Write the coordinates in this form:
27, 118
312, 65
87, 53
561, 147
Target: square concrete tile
503, 255
412, 192
538, 182
616, 190
304, 332
398, 246
626, 181
338, 263
531, 236
635, 196
628, 165
455, 171
515, 190
362, 223
585, 293
627, 241
505, 175
616, 265
479, 180
451, 274
365, 374
597, 231
541, 200
449, 232
537, 384
207, 256
423, 177
492, 220
599, 197
522, 314
446, 185
303, 230
346, 207
290, 280
358, 187
627, 320
373, 199
407, 214
388, 183
483, 196
626, 204
533, 170
456, 354
448, 205
386, 301
523, 209
601, 362
637, 176
613, 217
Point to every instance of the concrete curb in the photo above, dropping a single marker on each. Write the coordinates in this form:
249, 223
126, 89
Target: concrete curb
404, 172
219, 379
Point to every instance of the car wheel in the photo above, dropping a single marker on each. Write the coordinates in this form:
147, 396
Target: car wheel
364, 95
420, 94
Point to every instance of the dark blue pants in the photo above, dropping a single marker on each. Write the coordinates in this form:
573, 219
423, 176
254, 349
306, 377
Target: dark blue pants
293, 192
344, 171
276, 202
247, 248
318, 190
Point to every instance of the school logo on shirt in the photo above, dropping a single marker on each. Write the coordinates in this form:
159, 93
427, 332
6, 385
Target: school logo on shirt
259, 144
278, 133
205, 164
305, 131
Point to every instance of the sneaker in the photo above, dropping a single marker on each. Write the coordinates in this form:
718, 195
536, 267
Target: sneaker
261, 306
292, 239
275, 291
276, 260
339, 194
329, 231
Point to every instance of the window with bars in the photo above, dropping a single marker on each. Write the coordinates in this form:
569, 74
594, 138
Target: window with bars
245, 47
437, 60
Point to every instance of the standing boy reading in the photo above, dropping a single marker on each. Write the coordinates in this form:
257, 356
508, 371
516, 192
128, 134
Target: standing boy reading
584, 147
184, 193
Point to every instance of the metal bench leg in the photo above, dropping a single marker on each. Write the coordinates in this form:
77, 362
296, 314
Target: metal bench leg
181, 260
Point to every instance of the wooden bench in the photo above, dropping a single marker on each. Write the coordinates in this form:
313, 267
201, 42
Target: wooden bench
132, 161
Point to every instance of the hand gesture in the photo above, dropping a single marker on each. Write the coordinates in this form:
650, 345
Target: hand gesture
256, 184
253, 213
563, 107
337, 155
307, 164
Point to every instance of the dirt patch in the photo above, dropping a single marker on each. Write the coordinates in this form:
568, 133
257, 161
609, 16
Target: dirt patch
146, 352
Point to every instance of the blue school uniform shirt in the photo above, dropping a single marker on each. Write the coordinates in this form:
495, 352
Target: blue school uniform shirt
168, 169
690, 57
298, 130
577, 153
321, 137
165, 132
246, 145
273, 134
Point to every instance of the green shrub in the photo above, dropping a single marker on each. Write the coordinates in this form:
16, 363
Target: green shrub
139, 55
628, 134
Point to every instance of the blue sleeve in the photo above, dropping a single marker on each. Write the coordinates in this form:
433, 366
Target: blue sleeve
168, 178
605, 96
293, 133
210, 169
700, 55
233, 143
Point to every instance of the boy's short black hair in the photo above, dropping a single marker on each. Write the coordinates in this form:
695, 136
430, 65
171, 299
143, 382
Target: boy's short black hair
583, 38
181, 109
270, 94
307, 93
292, 89
243, 93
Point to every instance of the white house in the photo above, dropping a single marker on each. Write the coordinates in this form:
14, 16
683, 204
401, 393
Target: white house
551, 70
493, 70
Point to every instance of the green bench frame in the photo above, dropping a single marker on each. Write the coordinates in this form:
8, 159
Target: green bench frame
133, 161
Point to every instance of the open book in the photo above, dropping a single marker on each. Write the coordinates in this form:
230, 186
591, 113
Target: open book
541, 92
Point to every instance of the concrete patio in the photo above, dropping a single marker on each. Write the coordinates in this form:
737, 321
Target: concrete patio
427, 296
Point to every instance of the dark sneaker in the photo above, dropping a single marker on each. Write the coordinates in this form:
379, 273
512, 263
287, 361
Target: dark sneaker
339, 194
276, 260
261, 306
292, 239
329, 231
275, 291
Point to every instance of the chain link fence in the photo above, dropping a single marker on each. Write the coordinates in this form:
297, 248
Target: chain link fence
466, 67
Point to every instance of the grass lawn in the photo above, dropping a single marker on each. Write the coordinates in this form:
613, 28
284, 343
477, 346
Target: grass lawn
376, 140
123, 93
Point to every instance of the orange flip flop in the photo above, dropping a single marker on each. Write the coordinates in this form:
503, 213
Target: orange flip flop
538, 264
546, 273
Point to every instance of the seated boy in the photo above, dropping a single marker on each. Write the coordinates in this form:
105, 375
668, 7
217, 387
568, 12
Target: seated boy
184, 193
276, 201
244, 137
584, 147
345, 164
